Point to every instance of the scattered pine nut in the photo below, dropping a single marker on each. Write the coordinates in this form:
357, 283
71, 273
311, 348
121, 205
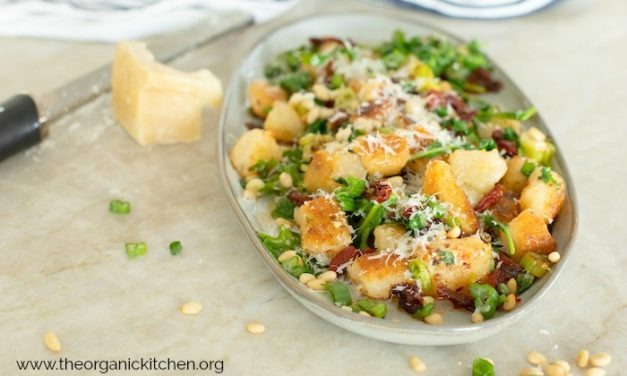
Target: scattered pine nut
328, 276
255, 185
582, 358
285, 256
417, 364
255, 328
428, 299
553, 370
306, 277
191, 308
554, 257
601, 359
563, 364
536, 358
316, 284
476, 317
249, 195
531, 371
512, 285
510, 303
595, 372
285, 179
395, 181
52, 342
453, 233
434, 319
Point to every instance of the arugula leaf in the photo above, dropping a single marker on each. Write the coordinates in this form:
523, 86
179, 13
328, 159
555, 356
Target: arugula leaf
285, 240
350, 190
283, 208
491, 222
372, 219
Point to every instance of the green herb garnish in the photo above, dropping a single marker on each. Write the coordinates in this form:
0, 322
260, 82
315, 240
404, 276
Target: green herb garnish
134, 250
175, 248
119, 207
546, 174
492, 223
446, 256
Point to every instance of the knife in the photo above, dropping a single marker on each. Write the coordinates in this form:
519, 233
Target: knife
25, 119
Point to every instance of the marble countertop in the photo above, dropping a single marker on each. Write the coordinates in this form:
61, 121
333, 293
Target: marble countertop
64, 268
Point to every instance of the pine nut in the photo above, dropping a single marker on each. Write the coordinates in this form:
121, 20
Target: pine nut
453, 233
283, 222
306, 277
52, 342
553, 370
554, 257
563, 364
191, 308
434, 319
601, 359
364, 313
255, 185
395, 181
476, 317
316, 284
347, 308
249, 195
530, 371
328, 276
510, 303
417, 364
582, 358
285, 179
595, 372
512, 286
255, 328
536, 358
286, 256
428, 299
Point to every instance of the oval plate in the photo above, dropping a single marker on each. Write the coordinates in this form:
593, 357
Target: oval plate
397, 327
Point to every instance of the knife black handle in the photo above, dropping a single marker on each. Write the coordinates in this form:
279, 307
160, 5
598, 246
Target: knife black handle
19, 125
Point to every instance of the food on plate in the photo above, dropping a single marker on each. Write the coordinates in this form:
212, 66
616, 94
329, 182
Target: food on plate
392, 178
157, 104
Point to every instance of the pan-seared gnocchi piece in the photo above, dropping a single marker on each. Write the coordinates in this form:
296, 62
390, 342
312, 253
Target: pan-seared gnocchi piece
387, 236
514, 180
477, 171
326, 167
456, 263
382, 155
284, 122
439, 180
251, 147
262, 96
530, 234
376, 274
545, 193
324, 230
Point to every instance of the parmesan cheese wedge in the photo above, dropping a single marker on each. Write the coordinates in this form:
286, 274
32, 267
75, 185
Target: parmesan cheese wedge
157, 104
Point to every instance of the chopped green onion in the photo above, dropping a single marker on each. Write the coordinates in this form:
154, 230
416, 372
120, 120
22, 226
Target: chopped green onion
119, 207
295, 266
482, 367
134, 250
336, 82
374, 216
535, 264
486, 299
523, 282
502, 289
376, 309
175, 248
527, 168
546, 175
424, 311
340, 293
420, 273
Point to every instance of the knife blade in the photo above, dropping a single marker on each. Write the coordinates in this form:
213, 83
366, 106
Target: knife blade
25, 119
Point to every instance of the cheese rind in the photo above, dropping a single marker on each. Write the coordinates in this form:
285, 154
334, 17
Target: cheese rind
157, 104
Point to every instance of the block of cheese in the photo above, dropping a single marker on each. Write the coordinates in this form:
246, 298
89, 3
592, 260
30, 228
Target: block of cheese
157, 104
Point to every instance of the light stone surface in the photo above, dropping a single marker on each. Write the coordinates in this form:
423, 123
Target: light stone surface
64, 269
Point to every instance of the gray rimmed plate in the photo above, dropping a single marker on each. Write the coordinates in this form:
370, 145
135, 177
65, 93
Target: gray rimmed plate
397, 327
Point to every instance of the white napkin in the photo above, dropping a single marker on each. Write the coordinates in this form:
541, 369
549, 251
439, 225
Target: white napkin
484, 9
113, 20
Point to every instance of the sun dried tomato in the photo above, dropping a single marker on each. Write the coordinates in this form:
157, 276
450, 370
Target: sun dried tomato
345, 255
482, 77
298, 198
491, 198
458, 299
409, 297
381, 191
